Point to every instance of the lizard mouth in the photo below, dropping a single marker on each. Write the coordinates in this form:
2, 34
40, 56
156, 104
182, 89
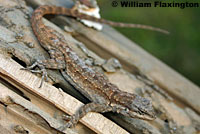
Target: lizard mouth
144, 116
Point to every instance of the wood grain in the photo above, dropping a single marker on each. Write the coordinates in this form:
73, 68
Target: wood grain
107, 43
11, 72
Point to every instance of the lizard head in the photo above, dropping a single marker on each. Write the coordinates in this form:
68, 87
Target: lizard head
135, 106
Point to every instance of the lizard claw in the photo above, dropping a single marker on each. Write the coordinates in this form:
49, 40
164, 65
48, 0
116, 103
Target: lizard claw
31, 67
44, 76
67, 125
41, 71
66, 117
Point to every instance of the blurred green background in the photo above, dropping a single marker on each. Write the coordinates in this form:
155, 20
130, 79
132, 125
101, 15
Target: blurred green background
180, 50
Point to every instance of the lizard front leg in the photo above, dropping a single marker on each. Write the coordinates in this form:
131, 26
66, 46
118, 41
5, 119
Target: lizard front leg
90, 107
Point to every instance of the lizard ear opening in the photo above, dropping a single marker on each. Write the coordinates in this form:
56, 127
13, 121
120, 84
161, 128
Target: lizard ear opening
143, 106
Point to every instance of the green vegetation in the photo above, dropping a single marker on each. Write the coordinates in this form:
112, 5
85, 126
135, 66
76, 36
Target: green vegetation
180, 49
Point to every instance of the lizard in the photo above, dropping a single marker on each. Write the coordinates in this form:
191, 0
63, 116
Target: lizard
104, 95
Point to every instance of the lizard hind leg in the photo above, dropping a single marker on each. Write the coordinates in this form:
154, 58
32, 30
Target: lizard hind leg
41, 70
56, 62
43, 65
90, 107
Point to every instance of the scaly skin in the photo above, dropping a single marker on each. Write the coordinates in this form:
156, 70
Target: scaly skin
104, 96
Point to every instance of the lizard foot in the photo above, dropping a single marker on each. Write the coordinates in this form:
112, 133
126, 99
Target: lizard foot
67, 125
67, 117
70, 122
42, 71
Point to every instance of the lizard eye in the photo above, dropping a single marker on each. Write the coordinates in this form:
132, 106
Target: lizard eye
126, 109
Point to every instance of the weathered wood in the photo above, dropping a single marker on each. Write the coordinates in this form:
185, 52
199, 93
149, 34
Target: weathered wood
21, 113
27, 82
16, 38
135, 59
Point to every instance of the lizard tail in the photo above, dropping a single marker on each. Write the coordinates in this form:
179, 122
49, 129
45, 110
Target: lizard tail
75, 13
120, 24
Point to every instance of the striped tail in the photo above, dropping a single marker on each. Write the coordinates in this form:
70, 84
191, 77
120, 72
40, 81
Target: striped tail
120, 24
74, 13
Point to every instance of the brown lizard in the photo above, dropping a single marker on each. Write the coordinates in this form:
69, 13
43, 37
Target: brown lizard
104, 96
